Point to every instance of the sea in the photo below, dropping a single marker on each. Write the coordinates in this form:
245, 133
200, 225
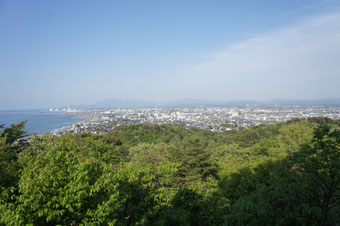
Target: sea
39, 121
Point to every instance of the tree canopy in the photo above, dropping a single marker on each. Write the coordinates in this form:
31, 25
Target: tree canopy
282, 174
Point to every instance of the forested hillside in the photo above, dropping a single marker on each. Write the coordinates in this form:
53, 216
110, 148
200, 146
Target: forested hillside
282, 174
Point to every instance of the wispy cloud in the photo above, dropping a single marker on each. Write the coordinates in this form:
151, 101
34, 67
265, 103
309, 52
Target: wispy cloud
315, 5
300, 61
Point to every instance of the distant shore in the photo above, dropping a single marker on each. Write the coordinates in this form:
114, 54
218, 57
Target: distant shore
40, 121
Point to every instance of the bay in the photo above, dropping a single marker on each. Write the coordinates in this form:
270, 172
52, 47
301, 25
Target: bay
39, 121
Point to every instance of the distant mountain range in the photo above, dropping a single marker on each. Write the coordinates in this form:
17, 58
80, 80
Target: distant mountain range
132, 103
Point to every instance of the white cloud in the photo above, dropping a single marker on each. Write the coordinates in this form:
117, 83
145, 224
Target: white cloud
300, 61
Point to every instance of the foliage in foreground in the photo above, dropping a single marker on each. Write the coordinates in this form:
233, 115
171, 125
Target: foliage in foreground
283, 174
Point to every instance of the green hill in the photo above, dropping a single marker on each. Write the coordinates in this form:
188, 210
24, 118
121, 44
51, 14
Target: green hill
282, 174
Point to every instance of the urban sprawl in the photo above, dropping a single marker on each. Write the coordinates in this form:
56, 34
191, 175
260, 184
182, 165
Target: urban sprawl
217, 119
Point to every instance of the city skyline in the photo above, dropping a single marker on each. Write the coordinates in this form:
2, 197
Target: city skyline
59, 53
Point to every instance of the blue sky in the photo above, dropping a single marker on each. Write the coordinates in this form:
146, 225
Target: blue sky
56, 53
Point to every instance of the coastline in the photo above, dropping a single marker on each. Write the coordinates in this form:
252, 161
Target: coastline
65, 129
40, 121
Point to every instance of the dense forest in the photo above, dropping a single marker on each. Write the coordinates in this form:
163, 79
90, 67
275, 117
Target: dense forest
282, 174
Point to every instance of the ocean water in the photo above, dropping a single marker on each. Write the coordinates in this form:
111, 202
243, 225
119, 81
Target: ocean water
38, 121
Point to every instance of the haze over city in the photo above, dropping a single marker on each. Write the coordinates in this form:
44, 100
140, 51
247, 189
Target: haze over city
54, 53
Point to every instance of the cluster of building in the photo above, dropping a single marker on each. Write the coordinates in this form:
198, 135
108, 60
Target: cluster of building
64, 110
212, 118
